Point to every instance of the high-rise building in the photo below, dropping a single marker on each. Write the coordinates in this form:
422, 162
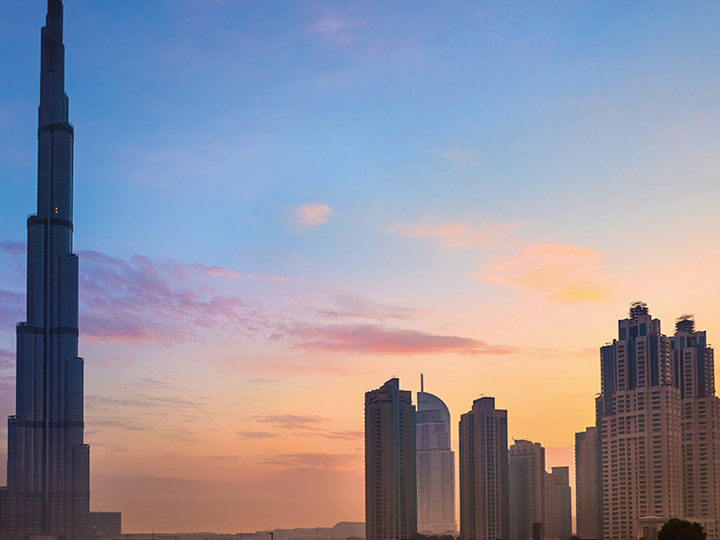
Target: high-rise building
435, 466
638, 427
48, 462
527, 488
586, 484
558, 503
657, 427
390, 474
484, 495
695, 376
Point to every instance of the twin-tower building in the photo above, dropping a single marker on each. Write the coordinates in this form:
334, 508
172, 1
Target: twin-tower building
652, 455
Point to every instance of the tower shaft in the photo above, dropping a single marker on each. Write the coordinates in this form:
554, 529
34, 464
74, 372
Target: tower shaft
48, 462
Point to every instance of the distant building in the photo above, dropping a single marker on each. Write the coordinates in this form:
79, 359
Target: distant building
484, 500
586, 484
558, 503
390, 466
105, 524
527, 488
435, 466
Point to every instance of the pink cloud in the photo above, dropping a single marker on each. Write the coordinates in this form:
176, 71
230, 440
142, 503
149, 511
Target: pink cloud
13, 247
376, 339
216, 271
455, 235
265, 277
310, 215
566, 273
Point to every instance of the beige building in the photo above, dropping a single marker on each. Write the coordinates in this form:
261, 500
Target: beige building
699, 420
657, 427
586, 484
527, 488
558, 504
484, 503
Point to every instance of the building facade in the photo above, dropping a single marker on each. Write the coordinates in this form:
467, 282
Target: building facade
558, 503
390, 464
695, 377
657, 427
484, 483
527, 488
47, 489
586, 484
435, 466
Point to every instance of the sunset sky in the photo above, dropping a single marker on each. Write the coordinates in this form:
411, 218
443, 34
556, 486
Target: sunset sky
281, 205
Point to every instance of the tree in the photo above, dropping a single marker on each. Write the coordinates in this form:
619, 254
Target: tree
679, 529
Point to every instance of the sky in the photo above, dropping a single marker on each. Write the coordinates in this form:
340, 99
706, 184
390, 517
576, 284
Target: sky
281, 205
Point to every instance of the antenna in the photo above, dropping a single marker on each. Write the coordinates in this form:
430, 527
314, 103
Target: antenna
422, 384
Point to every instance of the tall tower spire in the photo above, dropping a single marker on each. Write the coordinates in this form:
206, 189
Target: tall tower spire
48, 462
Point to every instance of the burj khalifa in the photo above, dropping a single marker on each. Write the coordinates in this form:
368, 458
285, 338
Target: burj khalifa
48, 490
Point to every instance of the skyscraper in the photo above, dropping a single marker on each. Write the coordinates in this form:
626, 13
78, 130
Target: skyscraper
48, 462
435, 466
695, 376
390, 478
657, 426
638, 426
586, 484
484, 502
558, 503
527, 488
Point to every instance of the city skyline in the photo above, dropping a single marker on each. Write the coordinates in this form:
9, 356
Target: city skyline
277, 207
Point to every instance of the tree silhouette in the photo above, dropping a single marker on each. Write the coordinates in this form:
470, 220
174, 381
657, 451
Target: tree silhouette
679, 529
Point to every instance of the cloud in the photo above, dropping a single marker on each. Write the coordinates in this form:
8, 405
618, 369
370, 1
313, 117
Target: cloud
319, 460
291, 421
348, 434
12, 308
336, 29
310, 215
566, 273
376, 339
13, 247
355, 307
461, 156
139, 299
257, 435
7, 359
216, 271
455, 235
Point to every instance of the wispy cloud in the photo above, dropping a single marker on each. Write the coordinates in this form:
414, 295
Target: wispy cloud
257, 435
460, 156
291, 421
319, 460
336, 29
376, 339
309, 215
566, 273
454, 235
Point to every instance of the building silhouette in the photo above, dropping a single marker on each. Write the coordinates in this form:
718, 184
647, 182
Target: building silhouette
657, 427
484, 496
47, 489
435, 466
390, 464
527, 488
586, 484
558, 503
